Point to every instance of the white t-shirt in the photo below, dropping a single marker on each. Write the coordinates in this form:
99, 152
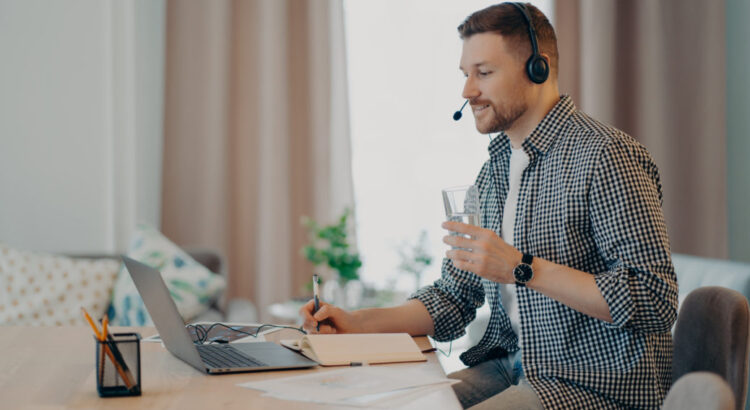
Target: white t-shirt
518, 163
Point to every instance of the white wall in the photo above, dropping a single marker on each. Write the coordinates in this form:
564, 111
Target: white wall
81, 95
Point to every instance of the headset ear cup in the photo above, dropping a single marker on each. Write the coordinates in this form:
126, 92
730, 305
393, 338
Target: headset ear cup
538, 69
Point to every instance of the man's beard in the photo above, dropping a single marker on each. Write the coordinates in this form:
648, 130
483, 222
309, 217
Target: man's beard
504, 118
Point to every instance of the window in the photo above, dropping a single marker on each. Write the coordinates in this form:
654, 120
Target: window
405, 85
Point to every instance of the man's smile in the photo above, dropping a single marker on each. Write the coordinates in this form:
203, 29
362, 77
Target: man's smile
478, 109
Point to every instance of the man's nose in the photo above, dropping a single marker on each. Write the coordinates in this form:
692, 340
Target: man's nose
470, 88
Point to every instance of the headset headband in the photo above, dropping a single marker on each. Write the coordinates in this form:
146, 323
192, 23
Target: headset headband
532, 34
537, 67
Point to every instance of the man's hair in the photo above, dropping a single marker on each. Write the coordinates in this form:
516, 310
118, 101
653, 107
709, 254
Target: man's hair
505, 19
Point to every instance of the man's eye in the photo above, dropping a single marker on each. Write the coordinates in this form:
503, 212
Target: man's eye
485, 73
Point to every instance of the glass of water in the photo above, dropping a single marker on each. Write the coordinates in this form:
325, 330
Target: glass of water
462, 205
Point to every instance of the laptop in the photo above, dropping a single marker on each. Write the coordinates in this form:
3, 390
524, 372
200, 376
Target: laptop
207, 358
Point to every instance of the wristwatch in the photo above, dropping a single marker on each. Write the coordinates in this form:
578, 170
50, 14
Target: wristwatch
523, 272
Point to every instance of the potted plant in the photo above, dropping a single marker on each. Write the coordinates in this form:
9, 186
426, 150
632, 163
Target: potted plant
329, 246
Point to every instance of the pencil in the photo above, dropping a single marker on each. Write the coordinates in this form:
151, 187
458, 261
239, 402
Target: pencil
91, 323
105, 322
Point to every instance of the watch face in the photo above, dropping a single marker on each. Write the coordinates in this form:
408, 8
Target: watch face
523, 273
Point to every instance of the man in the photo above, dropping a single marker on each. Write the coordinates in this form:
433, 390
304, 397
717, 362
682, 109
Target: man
572, 234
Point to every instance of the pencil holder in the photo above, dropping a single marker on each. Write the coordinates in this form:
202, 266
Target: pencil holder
118, 365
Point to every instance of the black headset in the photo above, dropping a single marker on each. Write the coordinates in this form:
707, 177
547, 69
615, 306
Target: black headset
537, 67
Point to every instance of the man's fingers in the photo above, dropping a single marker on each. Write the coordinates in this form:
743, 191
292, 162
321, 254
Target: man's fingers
306, 310
458, 254
309, 326
462, 228
459, 241
470, 244
310, 318
323, 313
327, 329
313, 326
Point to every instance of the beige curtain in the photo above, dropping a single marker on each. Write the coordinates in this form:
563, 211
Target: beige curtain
256, 134
656, 70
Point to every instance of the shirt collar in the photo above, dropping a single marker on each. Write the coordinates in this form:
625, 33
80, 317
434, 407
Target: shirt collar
546, 132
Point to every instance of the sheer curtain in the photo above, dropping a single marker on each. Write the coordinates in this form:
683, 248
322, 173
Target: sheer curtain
256, 134
656, 70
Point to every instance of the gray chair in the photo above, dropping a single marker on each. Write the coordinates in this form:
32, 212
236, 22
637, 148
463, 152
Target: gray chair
711, 335
700, 391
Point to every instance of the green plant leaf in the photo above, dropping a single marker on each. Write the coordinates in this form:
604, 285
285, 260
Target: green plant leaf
329, 244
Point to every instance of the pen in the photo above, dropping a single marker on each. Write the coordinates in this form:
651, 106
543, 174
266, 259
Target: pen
107, 338
316, 297
119, 360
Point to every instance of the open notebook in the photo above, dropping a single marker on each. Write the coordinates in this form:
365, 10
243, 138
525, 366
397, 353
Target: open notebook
361, 348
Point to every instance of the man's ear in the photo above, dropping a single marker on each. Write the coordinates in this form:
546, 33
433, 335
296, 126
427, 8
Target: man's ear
546, 57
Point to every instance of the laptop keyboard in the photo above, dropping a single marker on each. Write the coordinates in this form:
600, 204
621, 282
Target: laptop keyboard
219, 356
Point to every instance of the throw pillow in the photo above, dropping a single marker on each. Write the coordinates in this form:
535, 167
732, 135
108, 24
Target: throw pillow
193, 287
45, 289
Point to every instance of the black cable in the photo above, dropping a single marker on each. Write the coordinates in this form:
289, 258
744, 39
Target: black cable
202, 333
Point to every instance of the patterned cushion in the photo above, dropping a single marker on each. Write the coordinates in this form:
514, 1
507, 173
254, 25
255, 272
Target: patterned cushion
193, 287
44, 289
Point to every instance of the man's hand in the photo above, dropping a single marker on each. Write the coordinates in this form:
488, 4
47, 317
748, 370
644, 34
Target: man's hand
331, 318
488, 256
412, 317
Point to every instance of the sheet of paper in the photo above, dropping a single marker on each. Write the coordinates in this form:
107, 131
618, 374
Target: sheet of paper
291, 344
341, 386
395, 399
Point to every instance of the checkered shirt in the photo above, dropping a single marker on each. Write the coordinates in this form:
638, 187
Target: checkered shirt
590, 199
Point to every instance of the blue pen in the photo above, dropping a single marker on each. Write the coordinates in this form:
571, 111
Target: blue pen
316, 297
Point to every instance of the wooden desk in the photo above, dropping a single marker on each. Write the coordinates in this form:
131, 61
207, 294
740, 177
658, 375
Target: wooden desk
53, 367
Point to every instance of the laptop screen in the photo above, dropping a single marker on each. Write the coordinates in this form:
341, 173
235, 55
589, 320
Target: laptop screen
163, 312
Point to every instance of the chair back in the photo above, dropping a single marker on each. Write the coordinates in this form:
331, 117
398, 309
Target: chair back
711, 334
700, 390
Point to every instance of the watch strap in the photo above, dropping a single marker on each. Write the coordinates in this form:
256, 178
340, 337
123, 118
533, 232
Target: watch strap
527, 258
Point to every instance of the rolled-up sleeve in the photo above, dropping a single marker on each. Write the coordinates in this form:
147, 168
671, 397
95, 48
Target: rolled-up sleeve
639, 285
451, 301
